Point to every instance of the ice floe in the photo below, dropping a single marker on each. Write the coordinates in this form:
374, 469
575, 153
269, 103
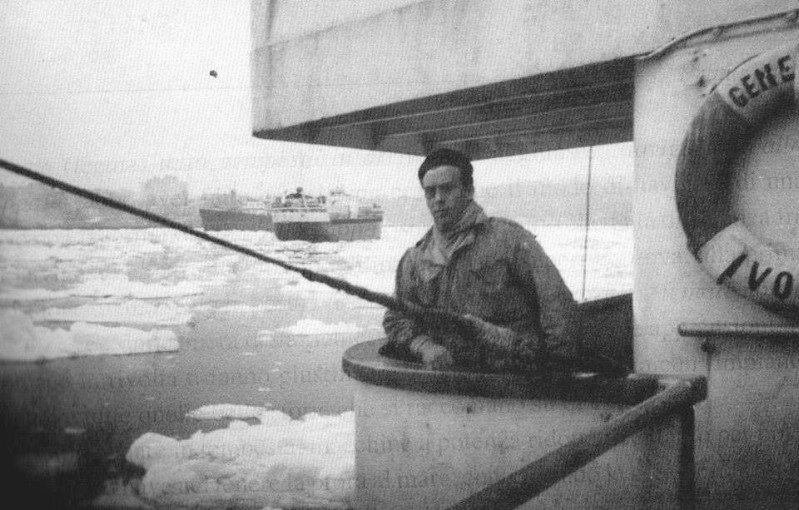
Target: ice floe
20, 340
279, 462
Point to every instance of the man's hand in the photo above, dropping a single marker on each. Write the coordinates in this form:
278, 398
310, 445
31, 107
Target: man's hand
504, 348
433, 355
493, 336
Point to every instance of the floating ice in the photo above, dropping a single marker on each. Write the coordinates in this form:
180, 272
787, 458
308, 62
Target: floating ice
266, 336
20, 340
106, 286
131, 312
33, 294
315, 327
220, 411
309, 289
242, 309
279, 462
120, 285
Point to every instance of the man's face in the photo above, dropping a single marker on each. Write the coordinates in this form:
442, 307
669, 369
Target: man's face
446, 197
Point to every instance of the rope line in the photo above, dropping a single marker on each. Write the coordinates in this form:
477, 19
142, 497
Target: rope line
790, 16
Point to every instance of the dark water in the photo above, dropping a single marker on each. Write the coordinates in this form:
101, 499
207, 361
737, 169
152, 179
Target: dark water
95, 407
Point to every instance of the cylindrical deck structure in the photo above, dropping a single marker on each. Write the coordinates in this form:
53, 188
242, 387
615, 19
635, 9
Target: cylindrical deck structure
429, 439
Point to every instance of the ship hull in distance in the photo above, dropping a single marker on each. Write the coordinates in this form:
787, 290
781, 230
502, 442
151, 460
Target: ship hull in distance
329, 231
220, 219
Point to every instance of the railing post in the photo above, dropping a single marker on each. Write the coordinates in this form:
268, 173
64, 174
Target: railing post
687, 487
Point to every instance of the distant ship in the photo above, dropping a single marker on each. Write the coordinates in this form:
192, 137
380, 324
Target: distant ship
247, 215
336, 217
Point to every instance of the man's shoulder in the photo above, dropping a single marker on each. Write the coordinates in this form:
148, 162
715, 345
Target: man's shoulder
426, 238
504, 227
419, 246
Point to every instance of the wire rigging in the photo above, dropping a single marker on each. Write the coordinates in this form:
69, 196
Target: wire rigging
587, 219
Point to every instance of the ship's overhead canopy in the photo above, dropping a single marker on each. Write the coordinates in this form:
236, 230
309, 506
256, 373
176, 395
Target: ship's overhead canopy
487, 77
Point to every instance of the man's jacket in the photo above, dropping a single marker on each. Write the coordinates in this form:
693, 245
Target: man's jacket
498, 273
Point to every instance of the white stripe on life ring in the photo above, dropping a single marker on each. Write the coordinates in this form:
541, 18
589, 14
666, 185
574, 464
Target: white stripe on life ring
738, 259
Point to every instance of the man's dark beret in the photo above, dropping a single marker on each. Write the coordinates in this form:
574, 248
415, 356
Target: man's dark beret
448, 157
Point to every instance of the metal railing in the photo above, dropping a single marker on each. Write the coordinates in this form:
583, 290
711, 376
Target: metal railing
734, 330
676, 399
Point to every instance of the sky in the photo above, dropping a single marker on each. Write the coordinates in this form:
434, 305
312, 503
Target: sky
106, 94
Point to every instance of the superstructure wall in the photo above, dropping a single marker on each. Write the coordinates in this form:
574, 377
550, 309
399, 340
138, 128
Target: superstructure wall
746, 430
311, 62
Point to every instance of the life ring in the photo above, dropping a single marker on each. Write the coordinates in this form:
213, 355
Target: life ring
737, 106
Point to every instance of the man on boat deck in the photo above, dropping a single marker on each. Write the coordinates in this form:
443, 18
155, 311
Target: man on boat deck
490, 270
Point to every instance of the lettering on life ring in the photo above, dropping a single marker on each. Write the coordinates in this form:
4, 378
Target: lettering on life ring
719, 240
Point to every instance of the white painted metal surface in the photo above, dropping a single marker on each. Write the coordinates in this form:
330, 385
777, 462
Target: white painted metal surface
746, 444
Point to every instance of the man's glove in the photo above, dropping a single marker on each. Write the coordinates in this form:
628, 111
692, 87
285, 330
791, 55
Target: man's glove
432, 354
492, 336
503, 347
